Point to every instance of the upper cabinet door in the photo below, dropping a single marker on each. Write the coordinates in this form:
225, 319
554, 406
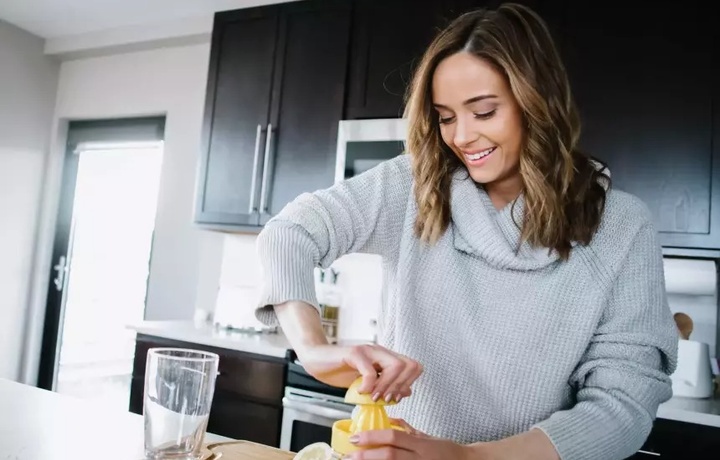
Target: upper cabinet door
645, 79
308, 99
236, 116
389, 38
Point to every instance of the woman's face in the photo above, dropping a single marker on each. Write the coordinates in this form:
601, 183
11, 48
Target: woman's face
480, 120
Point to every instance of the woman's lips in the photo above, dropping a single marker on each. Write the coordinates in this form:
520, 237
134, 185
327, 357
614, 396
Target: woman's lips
478, 157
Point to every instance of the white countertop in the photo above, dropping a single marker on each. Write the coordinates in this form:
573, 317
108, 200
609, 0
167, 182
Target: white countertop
37, 424
690, 410
275, 344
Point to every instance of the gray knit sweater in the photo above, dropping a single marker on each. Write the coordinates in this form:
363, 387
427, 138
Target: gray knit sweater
510, 339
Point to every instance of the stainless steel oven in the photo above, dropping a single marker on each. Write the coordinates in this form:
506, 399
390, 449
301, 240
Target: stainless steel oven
310, 408
308, 417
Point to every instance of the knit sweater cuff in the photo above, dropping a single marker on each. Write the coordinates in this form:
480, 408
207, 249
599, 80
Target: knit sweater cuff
288, 272
572, 434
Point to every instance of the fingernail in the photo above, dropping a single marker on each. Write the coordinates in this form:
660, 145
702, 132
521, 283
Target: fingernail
354, 439
388, 397
398, 397
376, 396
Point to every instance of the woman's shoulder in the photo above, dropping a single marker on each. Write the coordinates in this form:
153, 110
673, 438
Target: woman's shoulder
625, 209
625, 219
394, 175
402, 164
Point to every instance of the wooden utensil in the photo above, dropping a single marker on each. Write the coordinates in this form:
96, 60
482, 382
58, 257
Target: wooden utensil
246, 450
684, 324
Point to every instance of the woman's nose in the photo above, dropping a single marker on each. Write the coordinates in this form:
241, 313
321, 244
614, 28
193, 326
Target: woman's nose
463, 134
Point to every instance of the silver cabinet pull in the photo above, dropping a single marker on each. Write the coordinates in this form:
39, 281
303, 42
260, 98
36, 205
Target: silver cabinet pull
655, 454
253, 181
267, 168
61, 269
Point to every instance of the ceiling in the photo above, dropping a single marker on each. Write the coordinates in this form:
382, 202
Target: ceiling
57, 18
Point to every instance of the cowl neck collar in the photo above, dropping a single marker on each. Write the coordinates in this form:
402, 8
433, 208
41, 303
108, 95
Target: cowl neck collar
480, 229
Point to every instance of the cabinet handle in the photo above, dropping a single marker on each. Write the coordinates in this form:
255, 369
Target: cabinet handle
253, 180
266, 171
655, 454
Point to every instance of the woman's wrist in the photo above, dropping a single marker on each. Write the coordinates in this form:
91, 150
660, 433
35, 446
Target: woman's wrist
481, 451
530, 445
301, 325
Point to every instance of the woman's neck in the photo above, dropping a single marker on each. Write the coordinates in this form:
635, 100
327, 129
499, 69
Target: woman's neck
505, 191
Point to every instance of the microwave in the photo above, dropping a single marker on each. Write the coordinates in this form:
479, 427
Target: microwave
363, 144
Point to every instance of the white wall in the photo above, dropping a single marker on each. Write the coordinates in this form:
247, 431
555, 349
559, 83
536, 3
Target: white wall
185, 260
170, 81
360, 282
28, 81
692, 289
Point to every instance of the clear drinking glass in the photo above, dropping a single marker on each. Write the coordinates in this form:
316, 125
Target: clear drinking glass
179, 389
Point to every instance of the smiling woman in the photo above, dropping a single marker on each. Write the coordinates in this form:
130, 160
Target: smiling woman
525, 313
497, 87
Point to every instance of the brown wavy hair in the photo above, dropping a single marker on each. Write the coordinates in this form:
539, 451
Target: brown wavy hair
564, 189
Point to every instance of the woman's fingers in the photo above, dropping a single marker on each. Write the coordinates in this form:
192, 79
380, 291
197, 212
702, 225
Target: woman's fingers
391, 438
397, 374
400, 388
407, 427
385, 374
383, 453
361, 359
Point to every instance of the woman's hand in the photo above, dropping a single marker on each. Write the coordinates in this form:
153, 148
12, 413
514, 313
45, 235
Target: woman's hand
406, 445
386, 374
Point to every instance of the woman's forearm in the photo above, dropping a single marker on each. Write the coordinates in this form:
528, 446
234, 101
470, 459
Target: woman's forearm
301, 324
531, 445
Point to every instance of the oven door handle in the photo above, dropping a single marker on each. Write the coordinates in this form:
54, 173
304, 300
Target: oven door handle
313, 409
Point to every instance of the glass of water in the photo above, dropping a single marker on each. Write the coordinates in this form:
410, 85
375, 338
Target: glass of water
179, 389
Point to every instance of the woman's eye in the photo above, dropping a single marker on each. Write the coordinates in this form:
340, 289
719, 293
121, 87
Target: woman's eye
445, 120
485, 115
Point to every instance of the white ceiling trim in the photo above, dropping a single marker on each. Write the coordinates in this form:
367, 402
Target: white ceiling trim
90, 27
130, 38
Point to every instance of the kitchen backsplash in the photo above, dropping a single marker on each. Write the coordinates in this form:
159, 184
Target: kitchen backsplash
360, 281
691, 286
692, 289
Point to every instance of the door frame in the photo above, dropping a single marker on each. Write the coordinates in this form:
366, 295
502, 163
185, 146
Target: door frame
46, 306
60, 255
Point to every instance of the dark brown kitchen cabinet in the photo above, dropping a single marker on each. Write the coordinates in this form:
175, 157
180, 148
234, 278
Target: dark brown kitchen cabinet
236, 115
248, 391
647, 85
275, 94
307, 104
389, 38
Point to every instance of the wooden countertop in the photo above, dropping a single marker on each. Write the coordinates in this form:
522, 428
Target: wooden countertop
37, 424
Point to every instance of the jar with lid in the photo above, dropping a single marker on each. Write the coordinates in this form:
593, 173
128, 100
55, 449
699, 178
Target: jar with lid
329, 298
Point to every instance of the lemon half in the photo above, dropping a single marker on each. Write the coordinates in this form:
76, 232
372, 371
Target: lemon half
315, 451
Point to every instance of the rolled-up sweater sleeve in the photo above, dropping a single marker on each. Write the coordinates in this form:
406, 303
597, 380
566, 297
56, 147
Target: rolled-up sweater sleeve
624, 374
362, 214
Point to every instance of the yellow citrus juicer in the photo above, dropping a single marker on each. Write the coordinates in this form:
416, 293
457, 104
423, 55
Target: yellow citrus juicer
370, 415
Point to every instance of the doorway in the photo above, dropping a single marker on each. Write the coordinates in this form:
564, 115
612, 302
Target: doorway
101, 258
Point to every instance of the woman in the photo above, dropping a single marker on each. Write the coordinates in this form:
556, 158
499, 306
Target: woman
530, 292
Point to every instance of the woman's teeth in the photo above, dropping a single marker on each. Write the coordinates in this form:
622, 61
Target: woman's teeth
477, 156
